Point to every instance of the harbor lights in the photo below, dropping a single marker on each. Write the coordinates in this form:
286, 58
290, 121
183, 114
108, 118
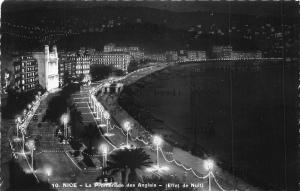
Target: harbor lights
209, 165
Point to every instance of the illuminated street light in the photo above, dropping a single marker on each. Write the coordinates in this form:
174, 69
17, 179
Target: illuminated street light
156, 168
18, 121
23, 141
209, 165
64, 120
48, 172
31, 146
127, 127
104, 150
157, 141
106, 116
101, 112
29, 106
24, 112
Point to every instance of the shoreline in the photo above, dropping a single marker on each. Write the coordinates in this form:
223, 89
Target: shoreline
134, 93
225, 175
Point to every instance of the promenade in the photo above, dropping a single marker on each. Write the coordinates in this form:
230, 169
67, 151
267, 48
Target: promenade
65, 168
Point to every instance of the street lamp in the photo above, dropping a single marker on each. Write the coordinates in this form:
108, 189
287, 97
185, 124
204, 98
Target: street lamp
106, 117
157, 141
31, 146
48, 172
24, 112
127, 127
64, 120
101, 112
23, 139
104, 150
209, 165
18, 121
29, 106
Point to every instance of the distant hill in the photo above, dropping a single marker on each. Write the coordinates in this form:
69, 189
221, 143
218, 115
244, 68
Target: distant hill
33, 15
152, 29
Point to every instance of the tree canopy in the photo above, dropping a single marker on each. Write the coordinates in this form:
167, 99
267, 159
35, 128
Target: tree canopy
128, 162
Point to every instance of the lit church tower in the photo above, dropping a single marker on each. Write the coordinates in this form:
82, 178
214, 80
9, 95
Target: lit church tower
48, 68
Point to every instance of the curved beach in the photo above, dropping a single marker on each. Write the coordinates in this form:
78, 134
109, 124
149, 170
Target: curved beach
233, 116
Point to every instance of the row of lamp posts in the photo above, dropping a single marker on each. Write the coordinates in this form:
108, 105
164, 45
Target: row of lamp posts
30, 143
157, 141
98, 108
20, 126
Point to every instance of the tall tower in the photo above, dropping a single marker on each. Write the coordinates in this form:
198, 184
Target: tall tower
54, 49
47, 57
48, 68
47, 53
52, 69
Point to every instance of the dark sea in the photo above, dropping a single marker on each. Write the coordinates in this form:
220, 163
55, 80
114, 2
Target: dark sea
243, 117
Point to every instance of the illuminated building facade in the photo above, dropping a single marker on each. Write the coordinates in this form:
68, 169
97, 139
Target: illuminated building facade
171, 56
201, 55
118, 60
48, 68
192, 55
26, 74
246, 55
83, 63
73, 64
66, 66
221, 52
133, 51
160, 57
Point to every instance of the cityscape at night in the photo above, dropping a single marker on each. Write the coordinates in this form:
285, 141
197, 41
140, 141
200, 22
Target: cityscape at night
150, 95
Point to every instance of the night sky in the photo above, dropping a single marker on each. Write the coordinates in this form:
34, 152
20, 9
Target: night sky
251, 8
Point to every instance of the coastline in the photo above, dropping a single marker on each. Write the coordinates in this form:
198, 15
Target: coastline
116, 110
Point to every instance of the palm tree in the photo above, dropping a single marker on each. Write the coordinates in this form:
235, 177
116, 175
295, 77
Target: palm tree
128, 162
